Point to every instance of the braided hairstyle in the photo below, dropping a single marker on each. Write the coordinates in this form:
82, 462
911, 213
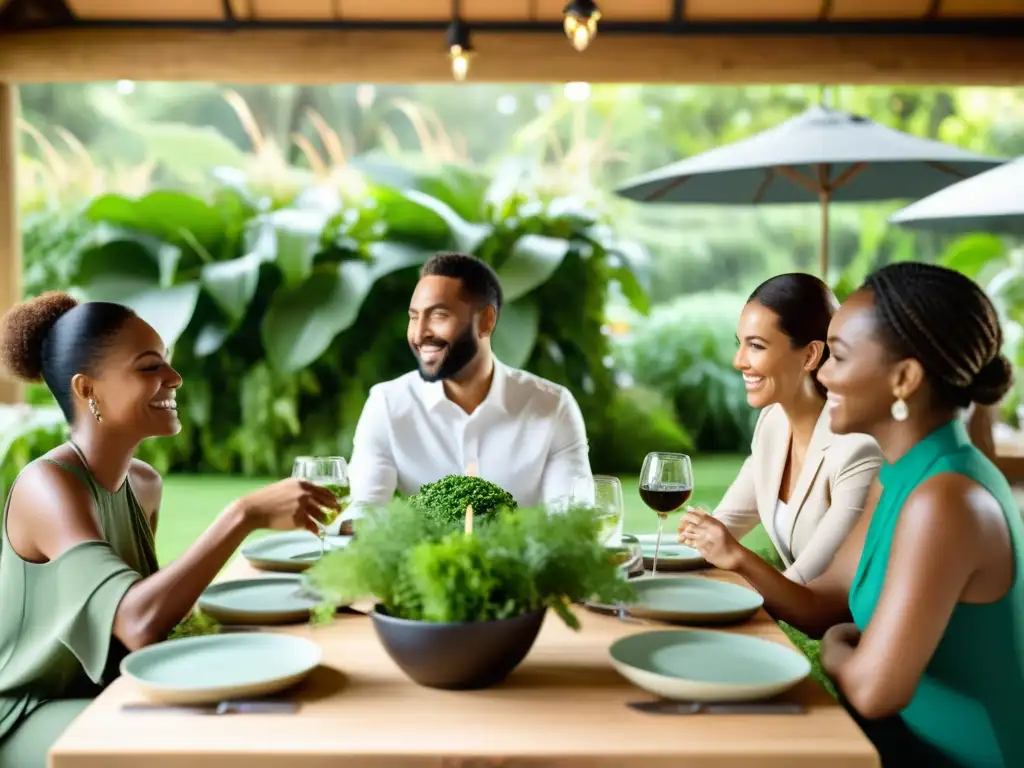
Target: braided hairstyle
945, 321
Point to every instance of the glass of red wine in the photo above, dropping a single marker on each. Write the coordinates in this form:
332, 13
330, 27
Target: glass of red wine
666, 482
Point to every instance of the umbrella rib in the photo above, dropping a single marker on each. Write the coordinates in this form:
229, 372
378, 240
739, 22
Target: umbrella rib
946, 169
797, 178
847, 176
664, 190
762, 189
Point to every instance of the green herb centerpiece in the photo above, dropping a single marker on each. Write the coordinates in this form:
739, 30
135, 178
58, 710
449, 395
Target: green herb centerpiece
461, 611
445, 500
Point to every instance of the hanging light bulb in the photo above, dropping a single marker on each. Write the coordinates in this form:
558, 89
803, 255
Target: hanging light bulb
459, 48
580, 24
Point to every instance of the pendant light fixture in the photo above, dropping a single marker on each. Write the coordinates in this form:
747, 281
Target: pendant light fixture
580, 24
459, 46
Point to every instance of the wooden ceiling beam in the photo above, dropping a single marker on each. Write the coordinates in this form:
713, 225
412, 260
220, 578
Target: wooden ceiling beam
330, 56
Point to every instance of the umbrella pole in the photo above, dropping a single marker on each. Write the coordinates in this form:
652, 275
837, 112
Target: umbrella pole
823, 197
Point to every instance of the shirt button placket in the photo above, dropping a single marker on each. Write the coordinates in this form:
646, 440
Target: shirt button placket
471, 447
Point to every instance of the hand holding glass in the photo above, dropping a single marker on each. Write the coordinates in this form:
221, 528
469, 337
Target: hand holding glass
330, 472
666, 482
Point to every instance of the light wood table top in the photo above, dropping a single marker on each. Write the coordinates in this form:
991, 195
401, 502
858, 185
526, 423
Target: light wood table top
563, 706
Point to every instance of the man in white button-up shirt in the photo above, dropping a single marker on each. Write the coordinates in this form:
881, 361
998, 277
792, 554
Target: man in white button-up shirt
462, 411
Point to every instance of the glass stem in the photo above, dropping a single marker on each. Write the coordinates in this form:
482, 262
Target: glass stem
657, 543
322, 535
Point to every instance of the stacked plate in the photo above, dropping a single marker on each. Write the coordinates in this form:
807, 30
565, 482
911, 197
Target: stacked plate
692, 600
264, 601
688, 600
290, 552
672, 556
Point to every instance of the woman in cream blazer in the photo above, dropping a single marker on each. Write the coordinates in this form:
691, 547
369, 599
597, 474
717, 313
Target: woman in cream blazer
806, 485
822, 502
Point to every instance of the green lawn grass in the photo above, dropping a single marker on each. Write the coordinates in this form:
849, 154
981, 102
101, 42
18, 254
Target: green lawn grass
191, 502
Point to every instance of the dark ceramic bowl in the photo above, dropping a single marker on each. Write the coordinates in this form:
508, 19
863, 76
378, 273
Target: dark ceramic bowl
458, 657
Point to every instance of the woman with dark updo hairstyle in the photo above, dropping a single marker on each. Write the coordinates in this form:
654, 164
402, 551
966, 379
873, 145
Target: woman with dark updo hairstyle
922, 609
79, 580
805, 484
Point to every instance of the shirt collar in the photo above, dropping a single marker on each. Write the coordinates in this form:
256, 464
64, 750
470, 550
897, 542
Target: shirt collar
433, 391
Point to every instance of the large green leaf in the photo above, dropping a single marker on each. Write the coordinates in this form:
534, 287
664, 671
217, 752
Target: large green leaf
461, 189
532, 262
210, 338
122, 258
302, 322
175, 217
168, 310
111, 250
291, 238
516, 333
390, 257
631, 288
969, 255
636, 258
409, 221
466, 236
232, 284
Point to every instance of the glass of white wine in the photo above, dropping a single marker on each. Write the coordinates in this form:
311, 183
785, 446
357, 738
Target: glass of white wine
604, 494
330, 472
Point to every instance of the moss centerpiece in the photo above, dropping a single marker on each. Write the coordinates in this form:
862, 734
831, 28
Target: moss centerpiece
459, 610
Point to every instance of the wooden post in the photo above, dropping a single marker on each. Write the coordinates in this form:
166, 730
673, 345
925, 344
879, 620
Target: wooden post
10, 231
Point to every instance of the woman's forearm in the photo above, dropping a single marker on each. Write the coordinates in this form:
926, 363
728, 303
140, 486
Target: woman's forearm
809, 610
155, 605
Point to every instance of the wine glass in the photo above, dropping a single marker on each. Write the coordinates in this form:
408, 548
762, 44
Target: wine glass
602, 493
330, 472
666, 482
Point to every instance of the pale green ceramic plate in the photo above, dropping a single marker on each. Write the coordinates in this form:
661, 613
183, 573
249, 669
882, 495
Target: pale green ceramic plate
289, 552
672, 556
692, 600
197, 670
708, 665
263, 600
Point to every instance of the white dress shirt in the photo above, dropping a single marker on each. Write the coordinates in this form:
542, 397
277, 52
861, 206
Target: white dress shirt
527, 436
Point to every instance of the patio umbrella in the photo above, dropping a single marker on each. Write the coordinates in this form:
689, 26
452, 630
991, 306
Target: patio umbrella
992, 201
821, 154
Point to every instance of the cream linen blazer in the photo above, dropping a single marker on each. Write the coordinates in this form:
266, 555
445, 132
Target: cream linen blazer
827, 499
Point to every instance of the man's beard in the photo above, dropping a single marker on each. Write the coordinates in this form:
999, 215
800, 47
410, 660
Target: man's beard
460, 352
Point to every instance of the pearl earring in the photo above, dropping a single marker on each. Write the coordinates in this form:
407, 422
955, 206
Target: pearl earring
95, 410
900, 410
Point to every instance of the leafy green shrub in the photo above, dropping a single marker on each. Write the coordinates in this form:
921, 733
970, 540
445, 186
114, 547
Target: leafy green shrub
283, 313
641, 421
421, 570
684, 350
445, 500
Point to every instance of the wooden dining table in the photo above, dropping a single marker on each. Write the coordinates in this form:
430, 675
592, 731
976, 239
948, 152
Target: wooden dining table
564, 706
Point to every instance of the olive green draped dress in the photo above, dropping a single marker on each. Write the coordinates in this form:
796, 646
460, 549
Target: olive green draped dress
57, 649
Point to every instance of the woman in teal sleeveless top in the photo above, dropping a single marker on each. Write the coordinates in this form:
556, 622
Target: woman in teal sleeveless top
922, 609
79, 582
